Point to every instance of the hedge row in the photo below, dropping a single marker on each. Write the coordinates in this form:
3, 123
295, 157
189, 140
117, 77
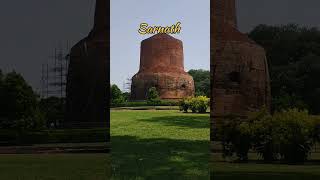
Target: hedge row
198, 104
286, 136
145, 103
8, 137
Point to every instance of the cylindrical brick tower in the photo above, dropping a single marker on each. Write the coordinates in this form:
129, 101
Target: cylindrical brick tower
162, 67
88, 77
240, 81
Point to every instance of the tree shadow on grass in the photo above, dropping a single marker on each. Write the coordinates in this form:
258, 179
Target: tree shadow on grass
181, 121
134, 158
262, 176
256, 169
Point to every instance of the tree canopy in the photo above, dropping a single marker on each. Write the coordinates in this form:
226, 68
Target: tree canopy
201, 81
19, 104
293, 53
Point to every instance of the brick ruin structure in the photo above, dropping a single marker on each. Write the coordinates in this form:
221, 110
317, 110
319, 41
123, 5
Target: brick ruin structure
162, 67
240, 81
88, 78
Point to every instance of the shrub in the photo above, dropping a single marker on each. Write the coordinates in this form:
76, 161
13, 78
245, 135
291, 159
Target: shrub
116, 96
235, 142
294, 130
260, 126
185, 104
195, 104
153, 97
288, 135
316, 134
203, 104
53, 136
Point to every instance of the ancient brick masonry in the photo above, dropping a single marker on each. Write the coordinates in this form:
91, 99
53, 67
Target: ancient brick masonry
87, 80
162, 66
239, 71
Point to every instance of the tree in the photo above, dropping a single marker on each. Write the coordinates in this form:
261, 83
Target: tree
20, 108
116, 96
201, 81
53, 110
126, 96
153, 96
293, 53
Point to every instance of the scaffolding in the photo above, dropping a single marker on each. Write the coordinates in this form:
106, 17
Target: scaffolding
54, 73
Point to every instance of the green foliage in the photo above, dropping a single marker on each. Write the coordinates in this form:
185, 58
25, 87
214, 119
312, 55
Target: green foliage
116, 96
126, 96
294, 131
153, 96
53, 136
53, 109
316, 134
201, 81
287, 135
293, 54
19, 104
185, 104
260, 126
198, 104
235, 141
145, 103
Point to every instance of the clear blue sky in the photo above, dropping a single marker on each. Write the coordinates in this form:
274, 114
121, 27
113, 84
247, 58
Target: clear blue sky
126, 16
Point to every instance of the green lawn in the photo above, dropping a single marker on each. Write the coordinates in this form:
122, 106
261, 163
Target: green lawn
159, 145
255, 169
152, 144
55, 167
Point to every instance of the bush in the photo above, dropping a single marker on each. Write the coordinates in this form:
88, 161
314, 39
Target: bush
195, 104
153, 97
53, 109
316, 134
53, 136
294, 130
185, 104
145, 103
116, 96
19, 106
260, 127
287, 135
235, 141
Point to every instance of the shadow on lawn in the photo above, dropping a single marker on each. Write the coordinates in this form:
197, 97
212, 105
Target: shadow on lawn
182, 121
256, 169
262, 176
134, 158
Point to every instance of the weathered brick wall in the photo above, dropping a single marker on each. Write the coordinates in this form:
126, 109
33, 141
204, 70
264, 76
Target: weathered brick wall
88, 77
162, 66
240, 81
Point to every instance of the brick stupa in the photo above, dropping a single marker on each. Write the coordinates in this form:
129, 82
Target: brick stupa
239, 69
88, 77
162, 67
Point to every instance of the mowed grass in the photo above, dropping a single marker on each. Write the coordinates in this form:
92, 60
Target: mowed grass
255, 169
55, 167
167, 144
